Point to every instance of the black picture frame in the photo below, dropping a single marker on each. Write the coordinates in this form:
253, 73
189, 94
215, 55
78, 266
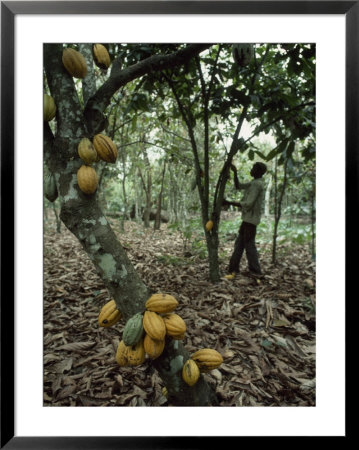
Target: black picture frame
9, 10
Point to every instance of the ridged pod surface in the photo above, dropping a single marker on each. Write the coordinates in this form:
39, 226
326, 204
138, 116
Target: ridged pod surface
190, 372
136, 354
161, 303
101, 56
49, 108
130, 355
207, 359
87, 179
154, 325
133, 330
121, 354
209, 225
106, 149
175, 325
87, 151
74, 63
109, 315
153, 348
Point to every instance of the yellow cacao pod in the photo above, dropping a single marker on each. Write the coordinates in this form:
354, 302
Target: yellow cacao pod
101, 56
49, 108
161, 303
136, 354
153, 348
109, 315
130, 356
87, 179
154, 325
190, 372
209, 225
175, 325
74, 63
121, 354
87, 151
164, 391
106, 149
207, 359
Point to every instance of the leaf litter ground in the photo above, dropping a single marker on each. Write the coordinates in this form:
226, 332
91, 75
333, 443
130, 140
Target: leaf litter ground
265, 331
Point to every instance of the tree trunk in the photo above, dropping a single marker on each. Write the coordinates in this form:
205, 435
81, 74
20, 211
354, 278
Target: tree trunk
267, 197
212, 248
312, 216
278, 206
83, 217
157, 224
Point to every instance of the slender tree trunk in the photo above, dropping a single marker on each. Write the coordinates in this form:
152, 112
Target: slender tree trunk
157, 224
267, 197
312, 215
212, 247
278, 206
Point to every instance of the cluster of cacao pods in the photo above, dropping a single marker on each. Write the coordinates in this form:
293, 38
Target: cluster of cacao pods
102, 148
203, 360
75, 63
145, 333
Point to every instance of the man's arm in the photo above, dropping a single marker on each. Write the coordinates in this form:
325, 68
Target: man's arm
237, 184
227, 202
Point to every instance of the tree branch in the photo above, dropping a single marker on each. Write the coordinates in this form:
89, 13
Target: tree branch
118, 78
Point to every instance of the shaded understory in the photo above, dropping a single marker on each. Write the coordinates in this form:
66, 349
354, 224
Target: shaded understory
265, 332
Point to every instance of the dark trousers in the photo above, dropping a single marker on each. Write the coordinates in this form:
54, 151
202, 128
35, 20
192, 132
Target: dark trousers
245, 241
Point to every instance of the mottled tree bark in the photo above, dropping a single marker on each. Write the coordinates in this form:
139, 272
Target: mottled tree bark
82, 215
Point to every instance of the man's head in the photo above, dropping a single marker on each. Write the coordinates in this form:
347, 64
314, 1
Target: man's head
258, 170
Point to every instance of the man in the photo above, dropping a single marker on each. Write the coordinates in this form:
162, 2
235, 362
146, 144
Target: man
251, 206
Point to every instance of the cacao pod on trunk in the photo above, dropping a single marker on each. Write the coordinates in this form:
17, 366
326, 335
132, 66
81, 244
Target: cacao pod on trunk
74, 63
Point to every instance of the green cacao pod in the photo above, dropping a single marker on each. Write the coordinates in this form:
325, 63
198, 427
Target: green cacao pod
243, 54
50, 188
101, 56
49, 108
106, 149
74, 63
87, 151
190, 372
133, 330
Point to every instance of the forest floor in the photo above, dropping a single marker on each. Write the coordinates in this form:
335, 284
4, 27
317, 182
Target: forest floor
265, 331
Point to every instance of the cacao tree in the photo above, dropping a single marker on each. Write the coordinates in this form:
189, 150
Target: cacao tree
273, 91
81, 112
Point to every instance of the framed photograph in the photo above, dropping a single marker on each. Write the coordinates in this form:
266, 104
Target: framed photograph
157, 119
